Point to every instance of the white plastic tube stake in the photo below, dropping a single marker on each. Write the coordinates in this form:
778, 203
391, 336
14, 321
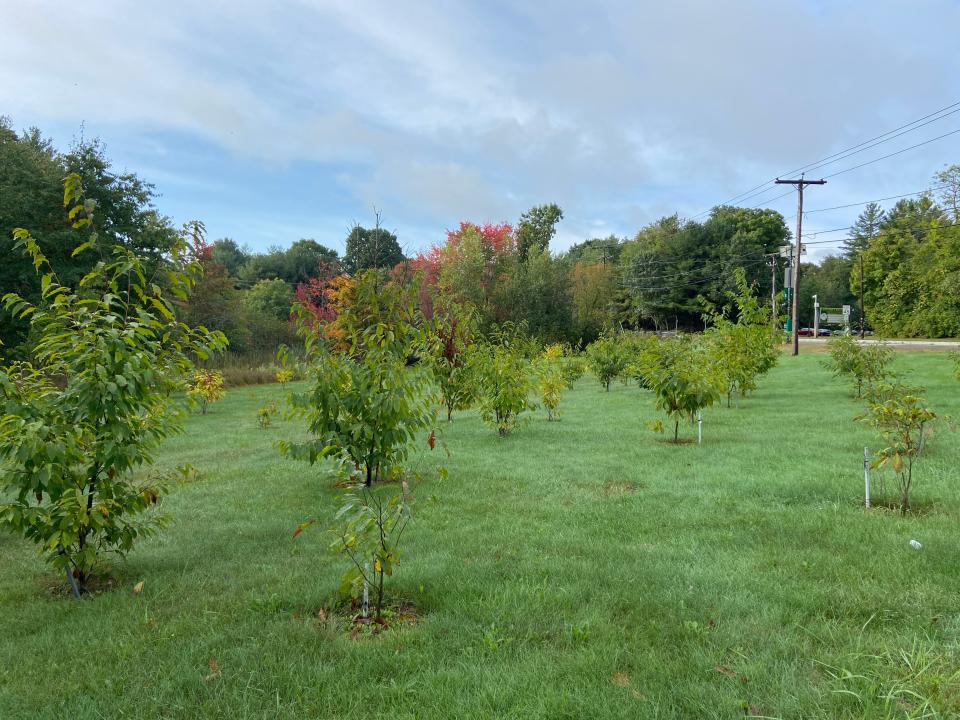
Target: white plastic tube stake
699, 428
866, 477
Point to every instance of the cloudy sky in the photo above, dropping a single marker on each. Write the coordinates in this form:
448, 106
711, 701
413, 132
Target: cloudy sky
275, 121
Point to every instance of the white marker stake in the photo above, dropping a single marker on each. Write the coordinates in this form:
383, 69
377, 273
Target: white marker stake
699, 428
866, 477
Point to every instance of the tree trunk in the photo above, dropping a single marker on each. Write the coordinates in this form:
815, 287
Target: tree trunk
676, 431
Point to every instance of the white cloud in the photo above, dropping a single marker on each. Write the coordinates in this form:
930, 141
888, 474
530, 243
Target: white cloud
456, 110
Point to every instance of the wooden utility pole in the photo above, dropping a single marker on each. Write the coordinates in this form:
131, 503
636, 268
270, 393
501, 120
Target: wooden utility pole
795, 310
773, 290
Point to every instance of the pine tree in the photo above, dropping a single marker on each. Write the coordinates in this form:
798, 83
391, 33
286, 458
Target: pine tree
866, 228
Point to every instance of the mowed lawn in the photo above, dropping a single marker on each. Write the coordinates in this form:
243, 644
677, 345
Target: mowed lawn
577, 569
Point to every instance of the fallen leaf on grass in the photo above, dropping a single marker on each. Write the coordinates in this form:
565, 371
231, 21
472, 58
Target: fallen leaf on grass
214, 670
322, 615
724, 670
138, 588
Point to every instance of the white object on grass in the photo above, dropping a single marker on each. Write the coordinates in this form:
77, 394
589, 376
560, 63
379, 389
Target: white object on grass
866, 476
915, 544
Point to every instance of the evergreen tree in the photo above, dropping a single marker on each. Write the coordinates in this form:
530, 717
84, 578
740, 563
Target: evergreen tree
868, 224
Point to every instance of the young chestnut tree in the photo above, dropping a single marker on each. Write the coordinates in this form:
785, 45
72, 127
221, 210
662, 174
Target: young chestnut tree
95, 399
206, 388
551, 382
682, 376
744, 350
903, 420
865, 365
453, 333
503, 373
366, 404
606, 359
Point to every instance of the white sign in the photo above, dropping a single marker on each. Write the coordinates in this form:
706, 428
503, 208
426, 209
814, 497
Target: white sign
846, 313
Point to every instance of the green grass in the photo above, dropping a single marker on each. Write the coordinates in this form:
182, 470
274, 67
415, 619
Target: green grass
577, 569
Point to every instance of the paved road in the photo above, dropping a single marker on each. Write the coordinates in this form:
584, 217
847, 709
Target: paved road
897, 344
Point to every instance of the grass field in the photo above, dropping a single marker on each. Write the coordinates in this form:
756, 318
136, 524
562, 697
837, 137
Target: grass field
577, 569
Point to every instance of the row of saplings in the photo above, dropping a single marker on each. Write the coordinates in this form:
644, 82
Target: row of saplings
898, 411
81, 419
377, 372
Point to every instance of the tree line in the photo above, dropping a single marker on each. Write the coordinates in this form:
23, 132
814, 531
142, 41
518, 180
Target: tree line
660, 278
911, 265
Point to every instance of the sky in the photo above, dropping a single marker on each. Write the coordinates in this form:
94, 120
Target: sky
277, 121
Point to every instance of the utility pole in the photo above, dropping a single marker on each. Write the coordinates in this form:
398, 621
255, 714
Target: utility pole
862, 318
773, 290
795, 310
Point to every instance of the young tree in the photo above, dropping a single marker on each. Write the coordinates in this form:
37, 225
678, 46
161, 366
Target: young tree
903, 419
207, 388
95, 399
606, 360
551, 383
682, 376
864, 365
366, 404
453, 330
743, 350
503, 371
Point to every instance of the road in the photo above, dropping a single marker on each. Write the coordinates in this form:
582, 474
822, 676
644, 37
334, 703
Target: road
895, 344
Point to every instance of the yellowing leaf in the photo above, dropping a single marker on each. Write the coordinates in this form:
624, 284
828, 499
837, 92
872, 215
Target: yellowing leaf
138, 588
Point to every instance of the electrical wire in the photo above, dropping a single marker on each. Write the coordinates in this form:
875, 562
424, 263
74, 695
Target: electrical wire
846, 152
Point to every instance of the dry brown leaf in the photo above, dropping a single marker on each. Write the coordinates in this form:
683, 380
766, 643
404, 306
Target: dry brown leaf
214, 670
620, 680
138, 588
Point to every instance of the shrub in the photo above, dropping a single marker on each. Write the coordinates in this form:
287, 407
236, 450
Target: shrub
284, 375
206, 388
84, 415
903, 419
682, 375
606, 360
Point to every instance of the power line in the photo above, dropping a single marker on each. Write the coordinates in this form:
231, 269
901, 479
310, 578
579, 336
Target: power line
843, 154
919, 122
636, 287
867, 202
898, 152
